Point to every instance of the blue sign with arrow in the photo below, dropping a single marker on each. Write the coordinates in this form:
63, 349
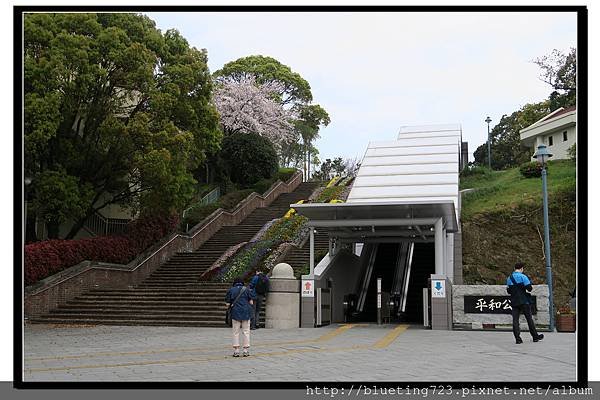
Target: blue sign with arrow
438, 288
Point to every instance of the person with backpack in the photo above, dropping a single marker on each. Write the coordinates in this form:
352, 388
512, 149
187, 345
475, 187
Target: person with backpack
518, 286
260, 285
239, 301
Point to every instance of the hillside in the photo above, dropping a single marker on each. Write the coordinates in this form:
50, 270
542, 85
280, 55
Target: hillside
502, 223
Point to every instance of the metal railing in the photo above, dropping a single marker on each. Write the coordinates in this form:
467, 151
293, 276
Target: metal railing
212, 197
99, 225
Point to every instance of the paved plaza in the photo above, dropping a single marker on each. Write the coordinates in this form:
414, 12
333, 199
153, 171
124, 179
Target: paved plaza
352, 352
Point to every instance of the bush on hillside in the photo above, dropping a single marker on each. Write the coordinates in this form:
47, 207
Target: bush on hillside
43, 259
249, 158
531, 170
473, 171
284, 174
572, 152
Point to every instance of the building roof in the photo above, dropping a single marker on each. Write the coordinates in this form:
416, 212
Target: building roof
402, 187
556, 120
421, 165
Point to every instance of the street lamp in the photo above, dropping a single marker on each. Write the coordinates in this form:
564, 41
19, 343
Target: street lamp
542, 155
27, 182
488, 120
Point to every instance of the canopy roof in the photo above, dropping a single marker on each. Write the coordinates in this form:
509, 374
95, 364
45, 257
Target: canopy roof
397, 219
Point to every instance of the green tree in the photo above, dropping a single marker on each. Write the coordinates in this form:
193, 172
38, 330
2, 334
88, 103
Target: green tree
115, 113
506, 146
249, 158
559, 70
311, 118
294, 89
330, 168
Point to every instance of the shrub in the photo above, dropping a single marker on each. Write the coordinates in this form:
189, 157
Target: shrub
249, 158
330, 193
285, 174
572, 152
43, 259
473, 171
531, 170
263, 185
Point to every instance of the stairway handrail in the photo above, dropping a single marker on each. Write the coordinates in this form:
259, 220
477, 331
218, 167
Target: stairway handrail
104, 221
202, 200
240, 206
135, 264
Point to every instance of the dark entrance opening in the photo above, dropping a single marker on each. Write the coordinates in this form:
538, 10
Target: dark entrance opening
386, 267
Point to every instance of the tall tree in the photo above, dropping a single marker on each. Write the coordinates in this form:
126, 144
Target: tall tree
311, 118
246, 106
293, 88
506, 146
559, 70
115, 113
293, 93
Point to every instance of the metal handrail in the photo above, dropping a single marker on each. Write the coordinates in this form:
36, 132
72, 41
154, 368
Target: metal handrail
99, 225
210, 198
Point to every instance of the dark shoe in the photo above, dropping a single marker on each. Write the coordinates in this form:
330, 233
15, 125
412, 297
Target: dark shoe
253, 329
519, 340
246, 353
236, 353
539, 337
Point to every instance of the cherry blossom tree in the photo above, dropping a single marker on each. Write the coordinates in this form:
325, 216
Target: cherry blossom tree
248, 107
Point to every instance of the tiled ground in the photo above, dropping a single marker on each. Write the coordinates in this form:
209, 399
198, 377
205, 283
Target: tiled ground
334, 353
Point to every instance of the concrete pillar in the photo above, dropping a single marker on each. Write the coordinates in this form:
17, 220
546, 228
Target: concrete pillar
283, 300
312, 252
439, 247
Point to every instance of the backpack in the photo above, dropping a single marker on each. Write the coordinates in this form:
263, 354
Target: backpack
262, 286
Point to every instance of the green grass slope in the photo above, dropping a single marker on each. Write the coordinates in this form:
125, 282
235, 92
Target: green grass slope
502, 223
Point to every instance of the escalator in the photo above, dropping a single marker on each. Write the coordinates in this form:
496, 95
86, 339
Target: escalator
404, 269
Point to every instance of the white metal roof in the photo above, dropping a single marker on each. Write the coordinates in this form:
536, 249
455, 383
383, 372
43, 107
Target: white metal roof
421, 166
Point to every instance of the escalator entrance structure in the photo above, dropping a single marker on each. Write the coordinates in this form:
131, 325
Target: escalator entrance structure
403, 277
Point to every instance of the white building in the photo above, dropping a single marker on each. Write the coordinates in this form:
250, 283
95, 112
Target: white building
557, 130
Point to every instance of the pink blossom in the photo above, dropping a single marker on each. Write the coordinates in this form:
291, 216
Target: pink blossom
245, 107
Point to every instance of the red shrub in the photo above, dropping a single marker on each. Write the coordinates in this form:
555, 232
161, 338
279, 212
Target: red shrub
46, 258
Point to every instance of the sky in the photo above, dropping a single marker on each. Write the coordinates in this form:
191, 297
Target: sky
375, 72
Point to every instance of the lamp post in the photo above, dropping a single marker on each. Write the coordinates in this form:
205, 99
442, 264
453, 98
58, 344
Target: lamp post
542, 155
27, 182
488, 120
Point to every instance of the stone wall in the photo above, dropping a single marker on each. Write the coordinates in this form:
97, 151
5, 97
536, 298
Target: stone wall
462, 320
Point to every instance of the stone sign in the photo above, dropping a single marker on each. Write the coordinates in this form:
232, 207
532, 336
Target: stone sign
492, 305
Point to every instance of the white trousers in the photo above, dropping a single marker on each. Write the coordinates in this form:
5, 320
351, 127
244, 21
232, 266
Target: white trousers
245, 328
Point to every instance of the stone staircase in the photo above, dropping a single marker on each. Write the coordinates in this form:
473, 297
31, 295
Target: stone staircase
299, 257
173, 295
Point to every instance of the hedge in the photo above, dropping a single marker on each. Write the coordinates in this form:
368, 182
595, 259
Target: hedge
43, 259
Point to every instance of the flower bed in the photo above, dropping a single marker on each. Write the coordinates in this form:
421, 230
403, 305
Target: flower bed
46, 258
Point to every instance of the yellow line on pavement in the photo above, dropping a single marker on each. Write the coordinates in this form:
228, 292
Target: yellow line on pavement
193, 360
332, 334
390, 337
323, 338
382, 343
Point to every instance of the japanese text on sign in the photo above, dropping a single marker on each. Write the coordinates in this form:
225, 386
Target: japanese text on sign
492, 305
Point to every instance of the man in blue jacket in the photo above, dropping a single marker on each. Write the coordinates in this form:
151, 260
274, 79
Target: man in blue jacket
518, 286
260, 285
